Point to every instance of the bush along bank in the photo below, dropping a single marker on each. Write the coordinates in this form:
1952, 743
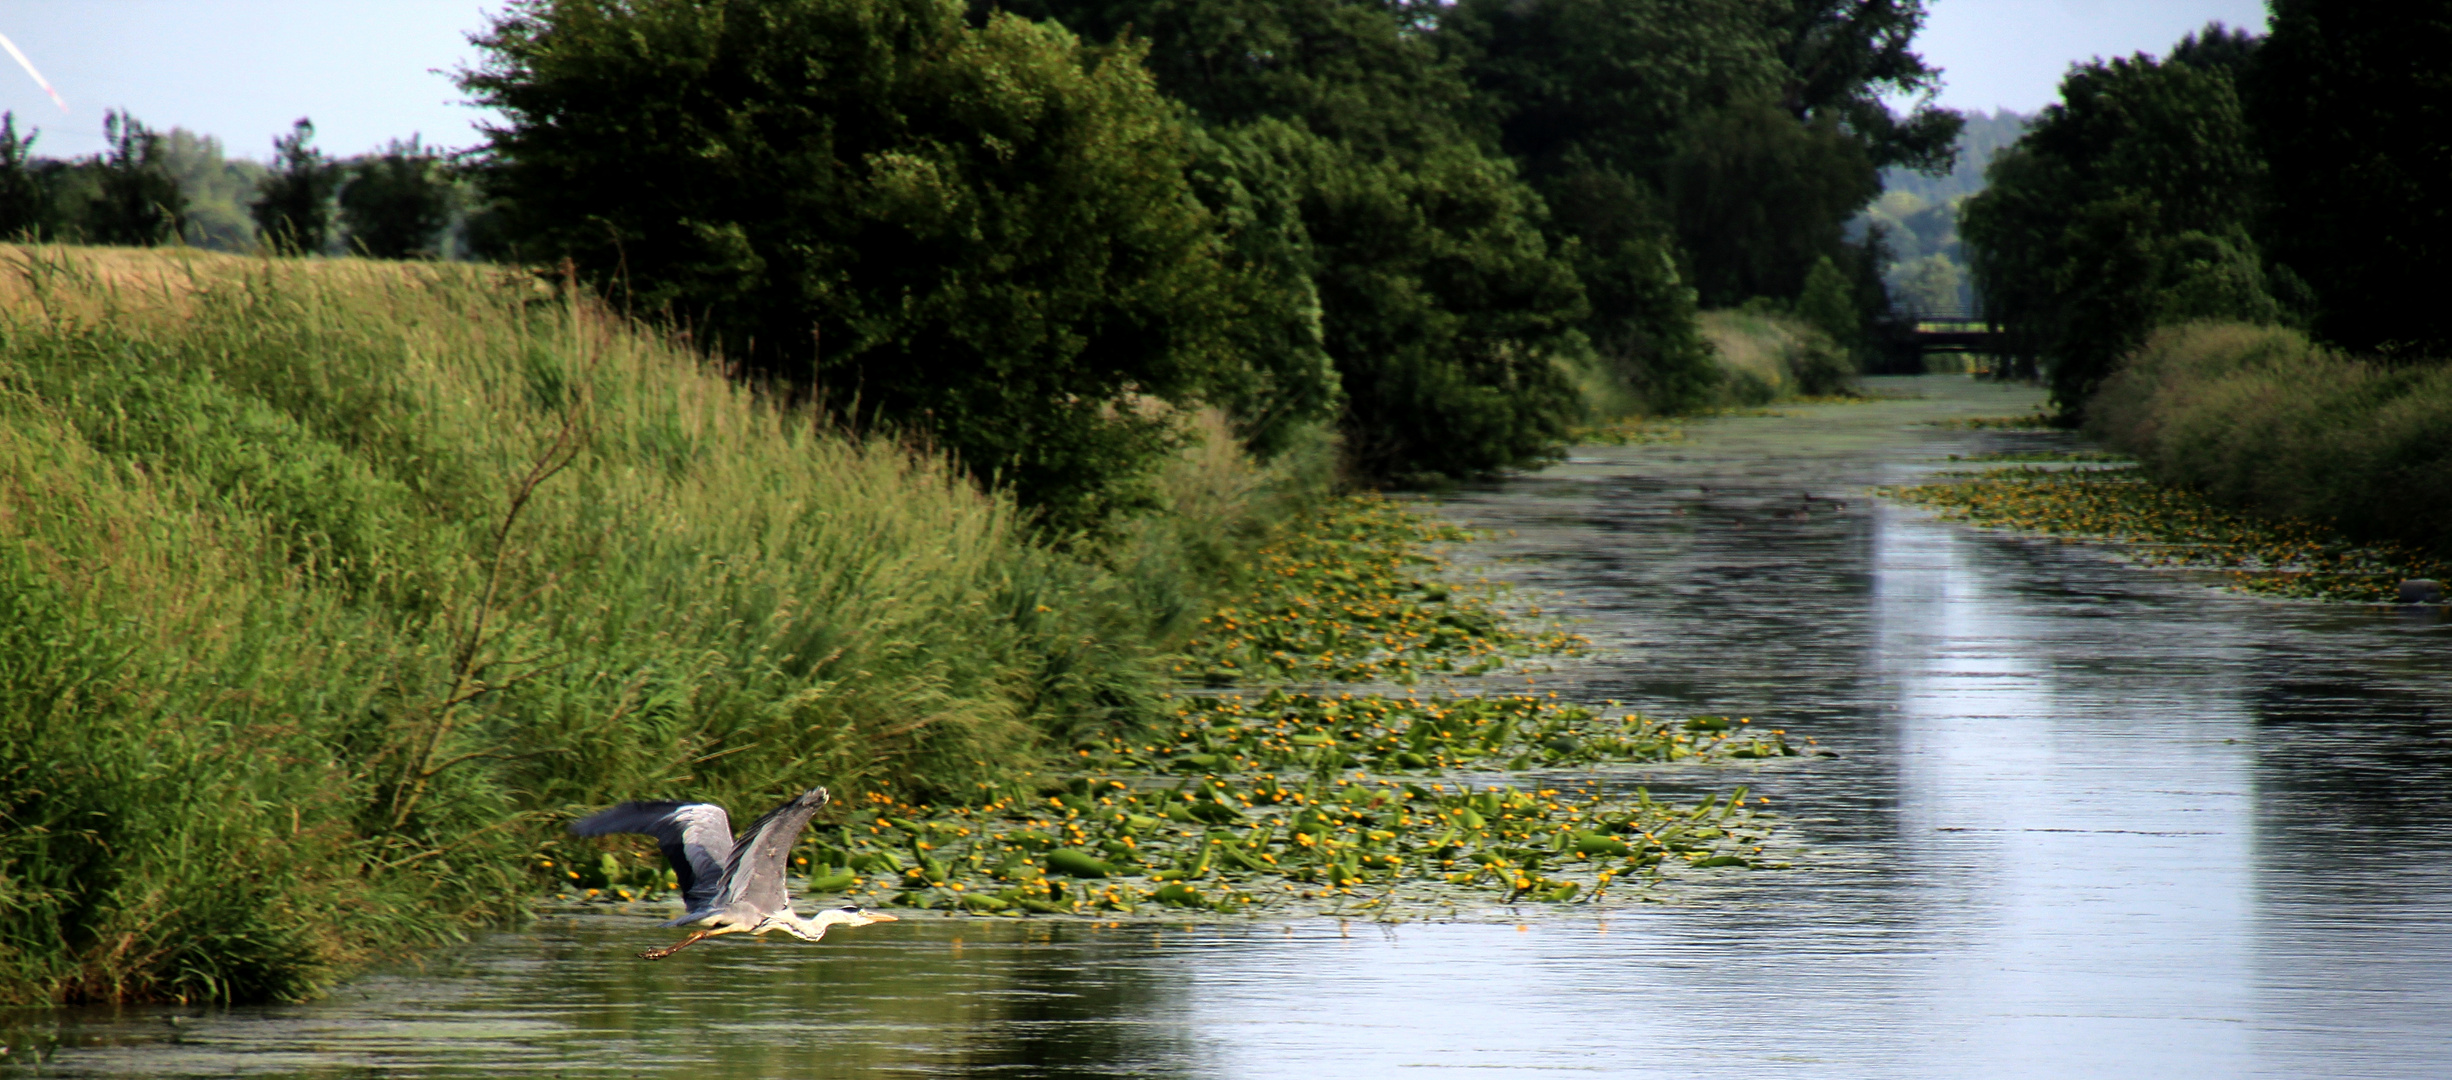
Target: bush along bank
1293, 801
2261, 421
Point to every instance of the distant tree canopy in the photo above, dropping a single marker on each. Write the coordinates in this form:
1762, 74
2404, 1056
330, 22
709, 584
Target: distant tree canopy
1743, 133
1433, 221
396, 204
137, 201
2128, 204
24, 202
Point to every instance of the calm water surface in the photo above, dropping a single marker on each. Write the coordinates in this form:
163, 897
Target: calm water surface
2088, 820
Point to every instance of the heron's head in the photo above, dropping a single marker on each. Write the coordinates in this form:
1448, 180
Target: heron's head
852, 915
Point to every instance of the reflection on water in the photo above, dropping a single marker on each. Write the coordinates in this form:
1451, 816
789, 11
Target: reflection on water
2087, 821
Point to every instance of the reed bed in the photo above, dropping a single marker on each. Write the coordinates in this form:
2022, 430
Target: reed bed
327, 589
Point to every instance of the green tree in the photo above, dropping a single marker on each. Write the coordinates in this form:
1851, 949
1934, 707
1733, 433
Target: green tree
1754, 128
139, 202
1643, 324
1450, 316
395, 204
2127, 204
983, 234
24, 201
1760, 197
216, 188
1829, 303
1246, 176
1843, 57
2347, 99
293, 206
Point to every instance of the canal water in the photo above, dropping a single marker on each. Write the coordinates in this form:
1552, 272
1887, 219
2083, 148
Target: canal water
2087, 820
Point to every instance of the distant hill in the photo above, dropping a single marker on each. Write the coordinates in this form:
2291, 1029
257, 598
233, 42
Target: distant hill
1919, 216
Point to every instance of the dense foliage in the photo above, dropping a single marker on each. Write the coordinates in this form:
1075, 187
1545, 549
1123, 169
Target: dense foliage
2297, 180
2128, 204
1446, 226
982, 234
1742, 135
2260, 419
395, 204
293, 205
2348, 100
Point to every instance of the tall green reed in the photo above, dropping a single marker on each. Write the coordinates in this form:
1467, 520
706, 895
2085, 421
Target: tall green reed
329, 589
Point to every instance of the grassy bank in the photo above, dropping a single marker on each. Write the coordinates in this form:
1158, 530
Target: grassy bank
2259, 420
330, 587
1766, 356
1760, 356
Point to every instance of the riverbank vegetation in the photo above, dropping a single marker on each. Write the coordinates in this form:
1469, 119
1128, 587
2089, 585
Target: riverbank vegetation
2280, 180
1457, 234
2259, 419
870, 392
330, 584
1280, 800
334, 588
2161, 525
2210, 257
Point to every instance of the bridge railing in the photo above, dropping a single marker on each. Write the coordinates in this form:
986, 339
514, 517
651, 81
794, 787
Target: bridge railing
1945, 319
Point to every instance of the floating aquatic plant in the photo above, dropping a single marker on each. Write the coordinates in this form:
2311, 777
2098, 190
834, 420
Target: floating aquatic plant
2168, 526
1353, 592
1259, 803
1266, 843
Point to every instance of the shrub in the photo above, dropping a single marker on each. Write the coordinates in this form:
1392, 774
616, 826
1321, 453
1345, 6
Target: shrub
2258, 418
1765, 355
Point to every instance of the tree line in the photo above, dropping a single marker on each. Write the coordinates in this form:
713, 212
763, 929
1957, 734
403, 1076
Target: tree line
1033, 232
2295, 178
150, 187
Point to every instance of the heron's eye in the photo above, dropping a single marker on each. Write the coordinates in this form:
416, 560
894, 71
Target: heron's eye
852, 908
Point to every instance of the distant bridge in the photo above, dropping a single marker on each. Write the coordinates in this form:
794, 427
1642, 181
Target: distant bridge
1953, 331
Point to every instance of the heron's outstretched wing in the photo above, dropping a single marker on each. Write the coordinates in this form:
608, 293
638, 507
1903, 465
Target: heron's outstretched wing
755, 874
696, 838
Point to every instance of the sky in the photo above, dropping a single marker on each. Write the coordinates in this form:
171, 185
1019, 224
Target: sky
368, 71
2010, 54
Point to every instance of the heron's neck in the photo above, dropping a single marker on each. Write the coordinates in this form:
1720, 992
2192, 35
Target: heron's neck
812, 929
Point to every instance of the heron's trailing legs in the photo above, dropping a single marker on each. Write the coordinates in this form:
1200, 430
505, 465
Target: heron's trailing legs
659, 954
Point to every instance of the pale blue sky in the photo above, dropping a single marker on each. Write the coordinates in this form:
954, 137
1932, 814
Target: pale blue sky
372, 70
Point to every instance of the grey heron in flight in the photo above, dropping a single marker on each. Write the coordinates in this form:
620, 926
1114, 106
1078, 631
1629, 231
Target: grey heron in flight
730, 885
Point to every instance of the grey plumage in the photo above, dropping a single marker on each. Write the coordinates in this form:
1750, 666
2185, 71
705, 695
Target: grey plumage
730, 885
696, 838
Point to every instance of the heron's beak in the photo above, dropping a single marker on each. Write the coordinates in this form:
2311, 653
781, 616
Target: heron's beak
879, 916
